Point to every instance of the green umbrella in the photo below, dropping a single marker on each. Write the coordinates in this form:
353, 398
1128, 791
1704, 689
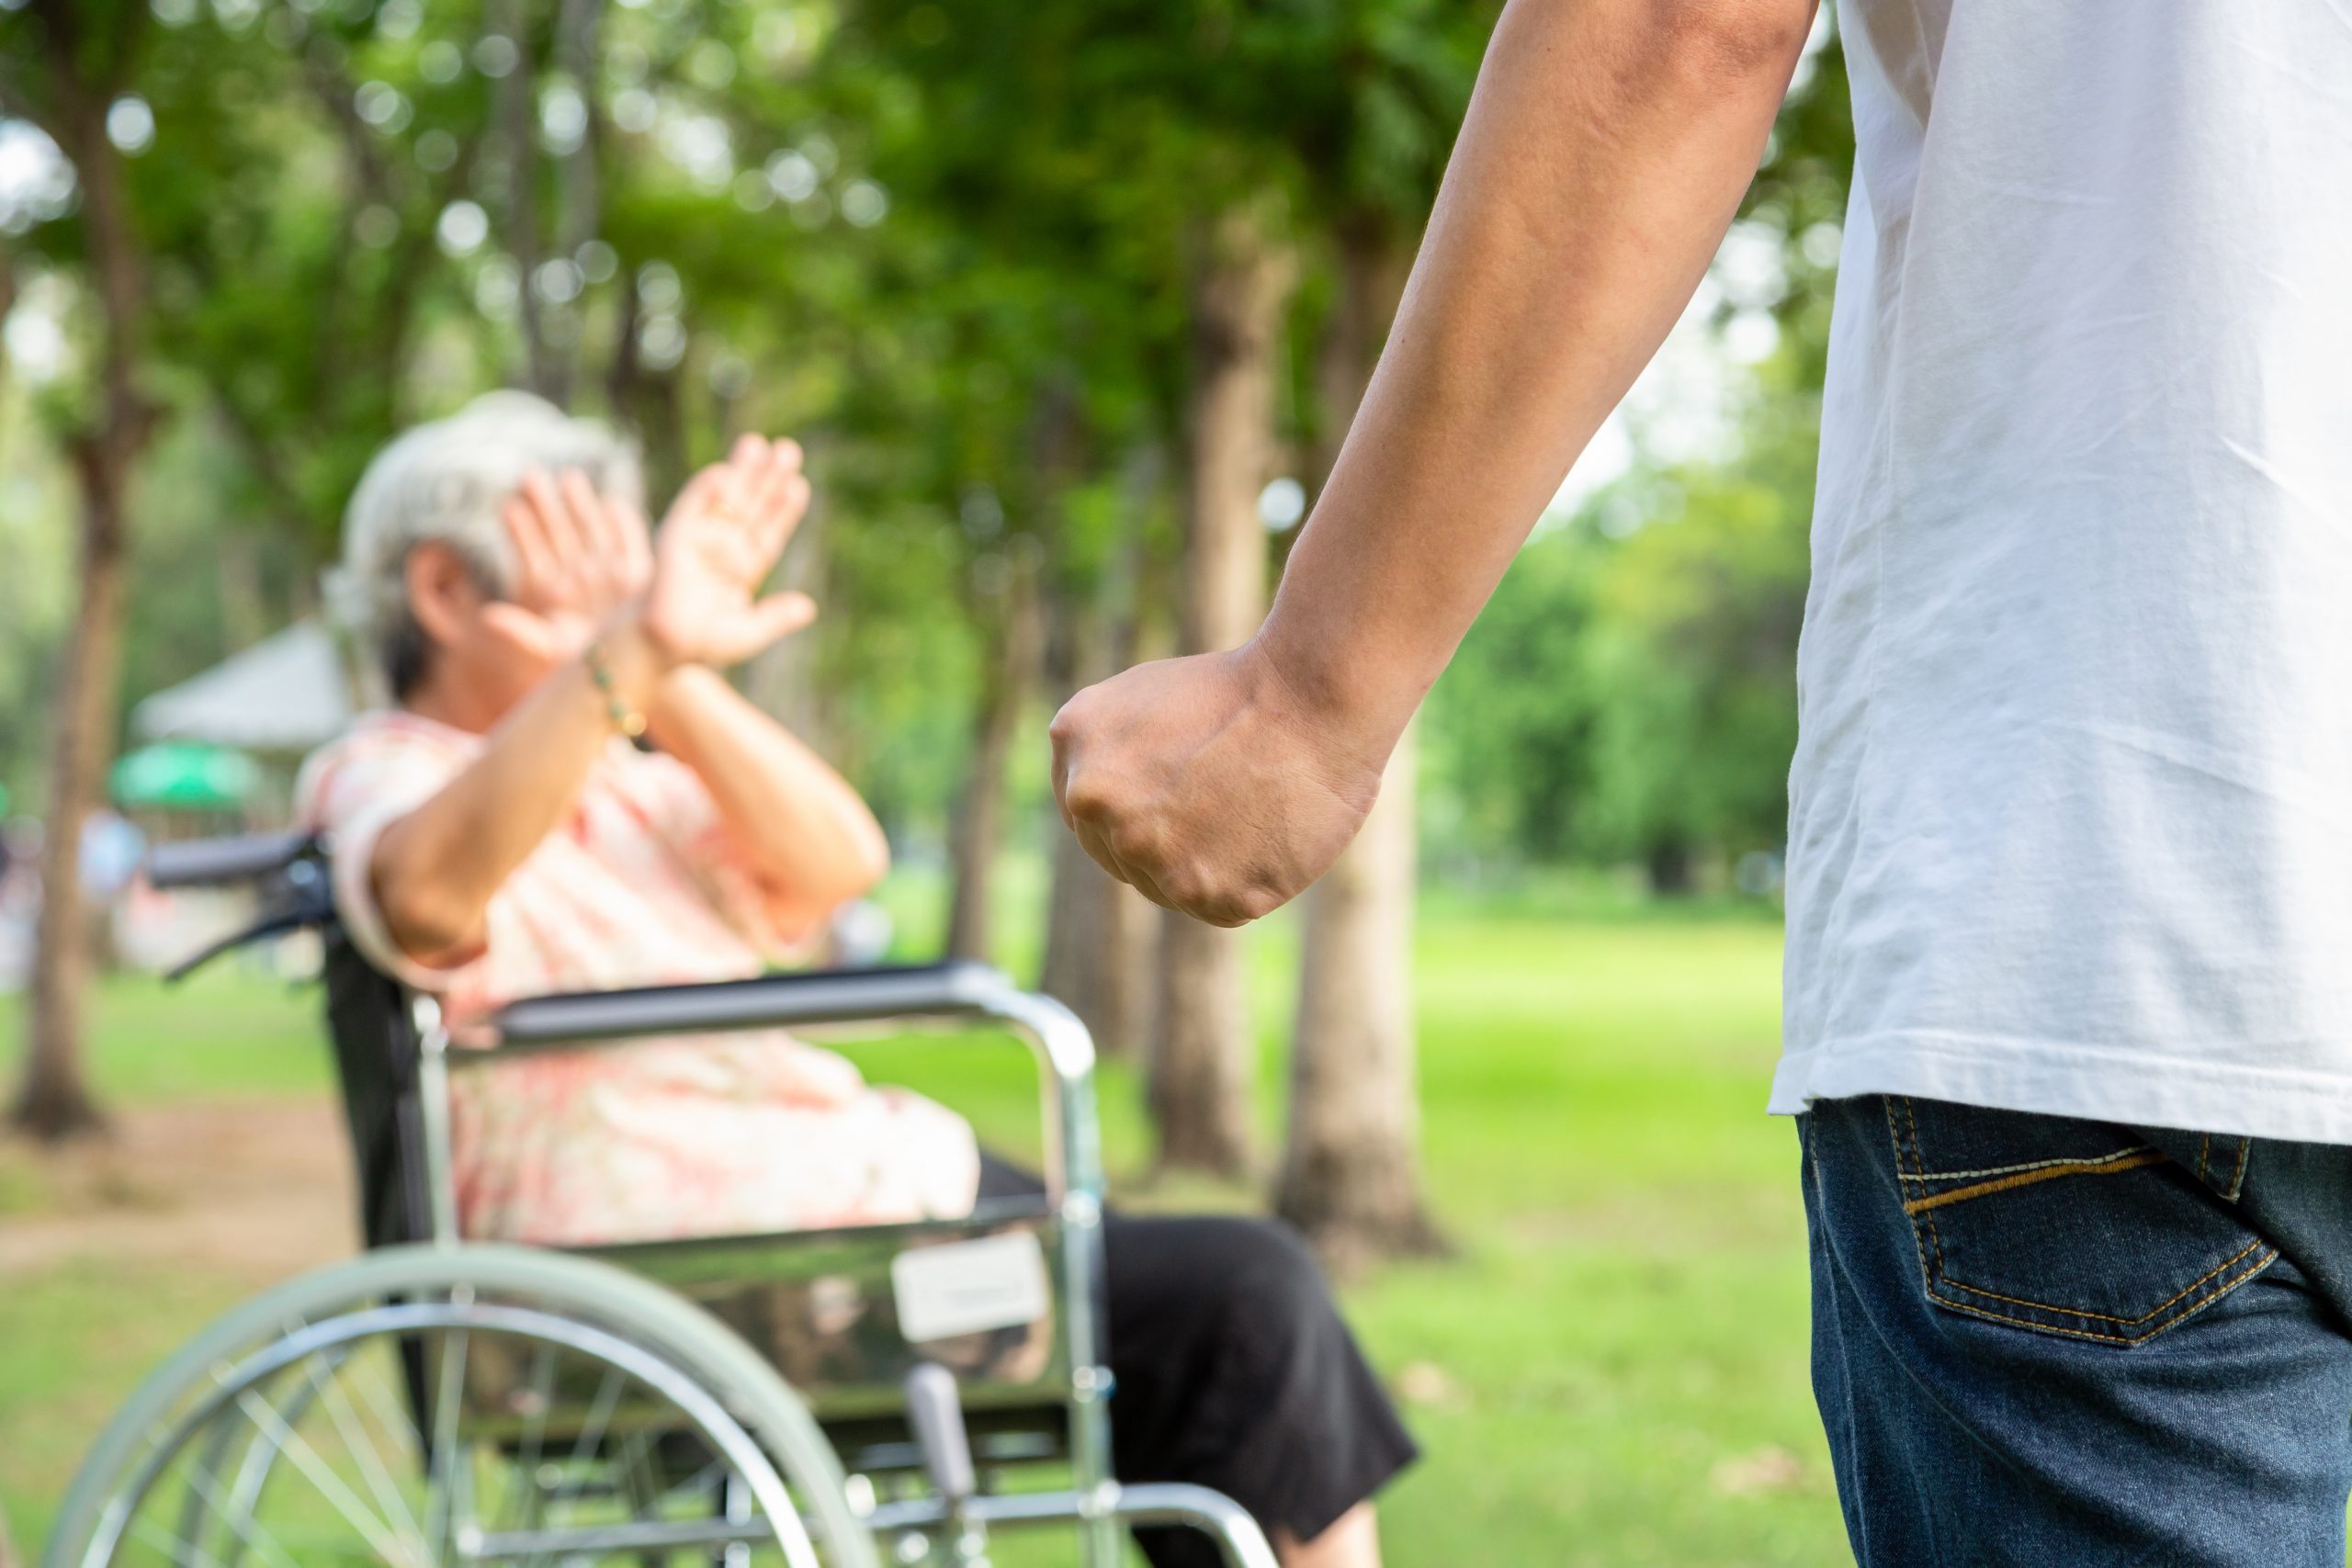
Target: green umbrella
183, 775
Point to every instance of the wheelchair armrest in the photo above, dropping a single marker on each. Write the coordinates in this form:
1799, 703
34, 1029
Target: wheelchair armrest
956, 989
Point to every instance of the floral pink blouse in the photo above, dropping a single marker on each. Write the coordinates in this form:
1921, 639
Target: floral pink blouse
642, 885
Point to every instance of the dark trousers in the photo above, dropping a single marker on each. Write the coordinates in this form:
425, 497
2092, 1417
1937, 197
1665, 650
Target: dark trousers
2039, 1340
1233, 1370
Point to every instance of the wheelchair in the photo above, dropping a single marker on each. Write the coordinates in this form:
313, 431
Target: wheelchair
820, 1400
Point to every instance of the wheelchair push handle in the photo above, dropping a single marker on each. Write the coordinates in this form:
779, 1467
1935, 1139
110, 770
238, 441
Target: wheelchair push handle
223, 862
287, 869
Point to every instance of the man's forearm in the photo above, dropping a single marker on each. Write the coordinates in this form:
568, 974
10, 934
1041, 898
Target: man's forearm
1604, 155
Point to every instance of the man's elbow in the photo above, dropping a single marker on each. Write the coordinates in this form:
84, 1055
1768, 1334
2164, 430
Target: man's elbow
1720, 41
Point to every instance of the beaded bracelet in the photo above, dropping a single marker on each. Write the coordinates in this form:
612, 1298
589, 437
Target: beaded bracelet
625, 719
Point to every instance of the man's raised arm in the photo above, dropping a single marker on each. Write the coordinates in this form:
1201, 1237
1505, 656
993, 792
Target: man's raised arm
1604, 155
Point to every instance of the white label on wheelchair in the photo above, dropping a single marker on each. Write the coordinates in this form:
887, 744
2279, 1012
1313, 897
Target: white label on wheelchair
969, 1287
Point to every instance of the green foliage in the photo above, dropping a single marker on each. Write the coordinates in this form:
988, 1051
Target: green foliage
1691, 667
1633, 698
1508, 765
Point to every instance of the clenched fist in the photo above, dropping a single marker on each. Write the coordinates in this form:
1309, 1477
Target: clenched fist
1207, 784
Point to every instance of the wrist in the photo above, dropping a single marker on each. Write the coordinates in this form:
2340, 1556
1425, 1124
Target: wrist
1354, 704
630, 669
632, 637
681, 689
631, 625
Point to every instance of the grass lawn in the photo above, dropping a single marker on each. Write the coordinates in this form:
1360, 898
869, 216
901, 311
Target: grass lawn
1611, 1372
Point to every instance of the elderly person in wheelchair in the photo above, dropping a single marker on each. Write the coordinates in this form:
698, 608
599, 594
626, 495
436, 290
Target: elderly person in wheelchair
567, 794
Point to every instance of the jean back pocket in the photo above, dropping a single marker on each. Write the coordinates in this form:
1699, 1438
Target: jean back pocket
2077, 1228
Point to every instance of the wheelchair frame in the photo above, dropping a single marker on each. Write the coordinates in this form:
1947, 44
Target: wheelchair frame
1100, 1506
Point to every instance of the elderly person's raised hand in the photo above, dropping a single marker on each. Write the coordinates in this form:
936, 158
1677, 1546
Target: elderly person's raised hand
722, 538
584, 558
579, 557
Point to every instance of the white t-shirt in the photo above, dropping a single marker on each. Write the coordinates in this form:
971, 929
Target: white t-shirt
2071, 824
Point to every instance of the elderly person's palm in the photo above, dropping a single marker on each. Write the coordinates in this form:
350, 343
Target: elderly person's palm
578, 556
716, 547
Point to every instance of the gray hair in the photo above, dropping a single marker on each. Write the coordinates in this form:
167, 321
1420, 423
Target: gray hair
450, 481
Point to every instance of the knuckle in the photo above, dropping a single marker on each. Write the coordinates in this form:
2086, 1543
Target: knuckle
1253, 904
1189, 890
1139, 844
1088, 800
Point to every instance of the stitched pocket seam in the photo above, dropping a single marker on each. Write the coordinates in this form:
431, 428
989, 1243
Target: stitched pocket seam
2237, 1178
1938, 1282
1951, 1283
1991, 1315
2050, 1170
2019, 1169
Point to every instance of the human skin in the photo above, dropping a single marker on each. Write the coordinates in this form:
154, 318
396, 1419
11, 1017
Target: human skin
664, 617
1604, 155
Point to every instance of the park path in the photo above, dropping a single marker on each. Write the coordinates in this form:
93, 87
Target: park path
259, 1188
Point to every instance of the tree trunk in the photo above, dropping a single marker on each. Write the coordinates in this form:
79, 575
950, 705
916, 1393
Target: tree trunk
244, 608
782, 678
53, 1098
1672, 867
514, 104
9, 1558
580, 211
1351, 1176
1099, 945
1099, 931
1202, 1047
978, 834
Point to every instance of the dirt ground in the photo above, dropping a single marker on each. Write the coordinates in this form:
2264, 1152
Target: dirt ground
258, 1187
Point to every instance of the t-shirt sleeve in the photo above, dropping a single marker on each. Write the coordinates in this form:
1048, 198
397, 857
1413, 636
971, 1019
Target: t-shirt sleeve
352, 791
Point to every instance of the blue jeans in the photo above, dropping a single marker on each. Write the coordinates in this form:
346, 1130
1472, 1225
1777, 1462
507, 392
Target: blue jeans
2038, 1341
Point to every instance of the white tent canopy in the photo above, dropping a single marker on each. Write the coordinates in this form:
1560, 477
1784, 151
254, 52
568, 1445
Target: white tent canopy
287, 693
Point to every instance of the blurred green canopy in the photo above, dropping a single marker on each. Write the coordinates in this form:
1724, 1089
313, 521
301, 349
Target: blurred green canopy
184, 776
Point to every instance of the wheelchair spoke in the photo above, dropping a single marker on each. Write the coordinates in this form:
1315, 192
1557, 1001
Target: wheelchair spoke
529, 1507
631, 1461
540, 1403
600, 1416
330, 1487
250, 1531
442, 1500
178, 1550
390, 1407
425, 1427
356, 1442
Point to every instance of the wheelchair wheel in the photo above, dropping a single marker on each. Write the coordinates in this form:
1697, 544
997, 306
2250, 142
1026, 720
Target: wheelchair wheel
426, 1406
